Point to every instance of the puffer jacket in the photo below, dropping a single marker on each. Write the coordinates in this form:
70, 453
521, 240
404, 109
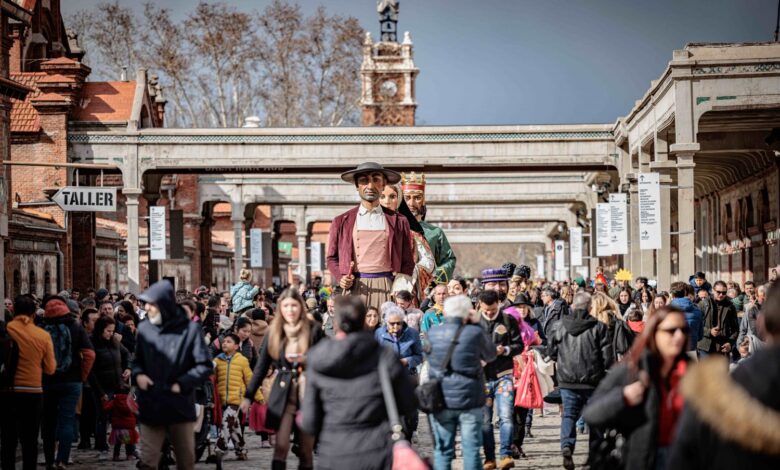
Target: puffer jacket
241, 295
407, 346
111, 360
580, 344
173, 352
233, 375
462, 386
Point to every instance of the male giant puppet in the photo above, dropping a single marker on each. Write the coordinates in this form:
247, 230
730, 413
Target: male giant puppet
413, 187
369, 246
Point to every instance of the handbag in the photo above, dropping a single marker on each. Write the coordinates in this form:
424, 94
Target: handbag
277, 400
430, 396
529, 393
404, 456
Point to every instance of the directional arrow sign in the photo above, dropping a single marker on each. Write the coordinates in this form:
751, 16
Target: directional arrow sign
86, 199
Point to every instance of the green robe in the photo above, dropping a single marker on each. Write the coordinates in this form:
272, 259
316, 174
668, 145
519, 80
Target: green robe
442, 252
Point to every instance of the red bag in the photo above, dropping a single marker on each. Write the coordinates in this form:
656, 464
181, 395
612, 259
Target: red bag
528, 393
257, 418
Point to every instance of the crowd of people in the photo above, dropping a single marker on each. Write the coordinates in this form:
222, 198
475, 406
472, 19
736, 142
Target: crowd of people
176, 376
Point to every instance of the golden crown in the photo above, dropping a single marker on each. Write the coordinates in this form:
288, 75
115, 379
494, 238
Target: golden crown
413, 181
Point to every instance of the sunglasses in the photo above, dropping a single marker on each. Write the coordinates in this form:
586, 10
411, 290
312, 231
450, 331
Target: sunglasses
674, 330
720, 292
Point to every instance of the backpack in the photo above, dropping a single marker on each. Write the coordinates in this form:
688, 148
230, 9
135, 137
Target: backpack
60, 336
9, 359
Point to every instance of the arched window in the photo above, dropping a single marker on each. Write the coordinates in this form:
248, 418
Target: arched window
32, 288
17, 283
46, 283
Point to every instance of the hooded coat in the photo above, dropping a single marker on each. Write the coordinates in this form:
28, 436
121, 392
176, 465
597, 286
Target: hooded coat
693, 317
581, 346
82, 353
344, 404
730, 421
169, 353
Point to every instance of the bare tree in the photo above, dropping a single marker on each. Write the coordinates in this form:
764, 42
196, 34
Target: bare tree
221, 64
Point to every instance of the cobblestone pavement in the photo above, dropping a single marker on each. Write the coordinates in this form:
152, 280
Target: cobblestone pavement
543, 450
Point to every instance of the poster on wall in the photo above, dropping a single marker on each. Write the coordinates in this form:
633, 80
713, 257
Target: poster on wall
540, 266
649, 211
256, 248
156, 232
618, 219
560, 259
316, 256
603, 241
575, 246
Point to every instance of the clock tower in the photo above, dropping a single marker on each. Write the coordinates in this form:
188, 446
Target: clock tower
388, 74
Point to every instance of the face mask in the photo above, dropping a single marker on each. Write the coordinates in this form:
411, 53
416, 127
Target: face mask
157, 321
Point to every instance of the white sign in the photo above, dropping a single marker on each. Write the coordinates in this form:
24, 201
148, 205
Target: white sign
649, 211
560, 259
603, 242
255, 248
316, 256
86, 199
575, 245
618, 217
540, 266
156, 232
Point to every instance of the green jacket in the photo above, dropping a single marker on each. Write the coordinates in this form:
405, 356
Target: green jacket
442, 252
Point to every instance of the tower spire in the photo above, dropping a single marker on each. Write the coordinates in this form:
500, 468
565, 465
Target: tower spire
388, 19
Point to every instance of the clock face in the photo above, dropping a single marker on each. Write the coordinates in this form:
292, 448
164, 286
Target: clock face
388, 88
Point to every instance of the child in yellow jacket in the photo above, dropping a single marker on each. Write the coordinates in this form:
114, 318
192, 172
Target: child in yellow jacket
233, 375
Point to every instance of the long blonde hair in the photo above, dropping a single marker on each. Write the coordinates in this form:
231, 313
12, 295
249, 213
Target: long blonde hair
600, 307
276, 334
567, 294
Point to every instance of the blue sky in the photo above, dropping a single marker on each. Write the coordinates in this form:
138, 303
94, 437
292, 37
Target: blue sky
539, 61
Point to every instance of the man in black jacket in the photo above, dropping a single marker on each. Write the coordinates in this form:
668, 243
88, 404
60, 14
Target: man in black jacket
171, 360
731, 420
580, 344
555, 309
721, 326
499, 389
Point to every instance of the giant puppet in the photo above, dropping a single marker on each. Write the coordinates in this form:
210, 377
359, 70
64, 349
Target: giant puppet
413, 187
370, 246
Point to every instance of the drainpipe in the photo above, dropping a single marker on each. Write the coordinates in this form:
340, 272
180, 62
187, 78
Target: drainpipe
60, 267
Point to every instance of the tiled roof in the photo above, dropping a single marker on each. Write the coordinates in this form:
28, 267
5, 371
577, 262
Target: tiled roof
105, 102
24, 118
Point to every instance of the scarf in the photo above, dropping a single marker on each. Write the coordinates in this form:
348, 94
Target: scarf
292, 333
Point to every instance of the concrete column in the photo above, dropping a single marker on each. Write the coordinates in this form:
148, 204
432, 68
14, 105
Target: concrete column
133, 251
303, 262
206, 265
634, 257
238, 250
663, 256
685, 211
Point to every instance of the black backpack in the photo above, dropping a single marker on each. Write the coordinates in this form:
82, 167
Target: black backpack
9, 360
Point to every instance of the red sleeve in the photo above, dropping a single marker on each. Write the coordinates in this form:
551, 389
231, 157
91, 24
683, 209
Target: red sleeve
87, 359
332, 255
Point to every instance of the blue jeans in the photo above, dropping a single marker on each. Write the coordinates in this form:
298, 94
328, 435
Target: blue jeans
59, 414
500, 395
574, 400
445, 424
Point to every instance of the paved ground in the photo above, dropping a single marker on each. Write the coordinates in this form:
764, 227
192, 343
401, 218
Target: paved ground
543, 450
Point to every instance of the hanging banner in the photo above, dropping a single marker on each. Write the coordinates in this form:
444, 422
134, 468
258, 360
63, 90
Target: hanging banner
560, 259
603, 242
540, 266
618, 217
156, 232
255, 248
649, 211
316, 256
575, 246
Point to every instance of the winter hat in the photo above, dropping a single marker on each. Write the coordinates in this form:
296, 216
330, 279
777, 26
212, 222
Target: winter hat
55, 308
73, 306
101, 293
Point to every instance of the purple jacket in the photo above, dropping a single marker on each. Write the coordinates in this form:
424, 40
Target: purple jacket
340, 248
